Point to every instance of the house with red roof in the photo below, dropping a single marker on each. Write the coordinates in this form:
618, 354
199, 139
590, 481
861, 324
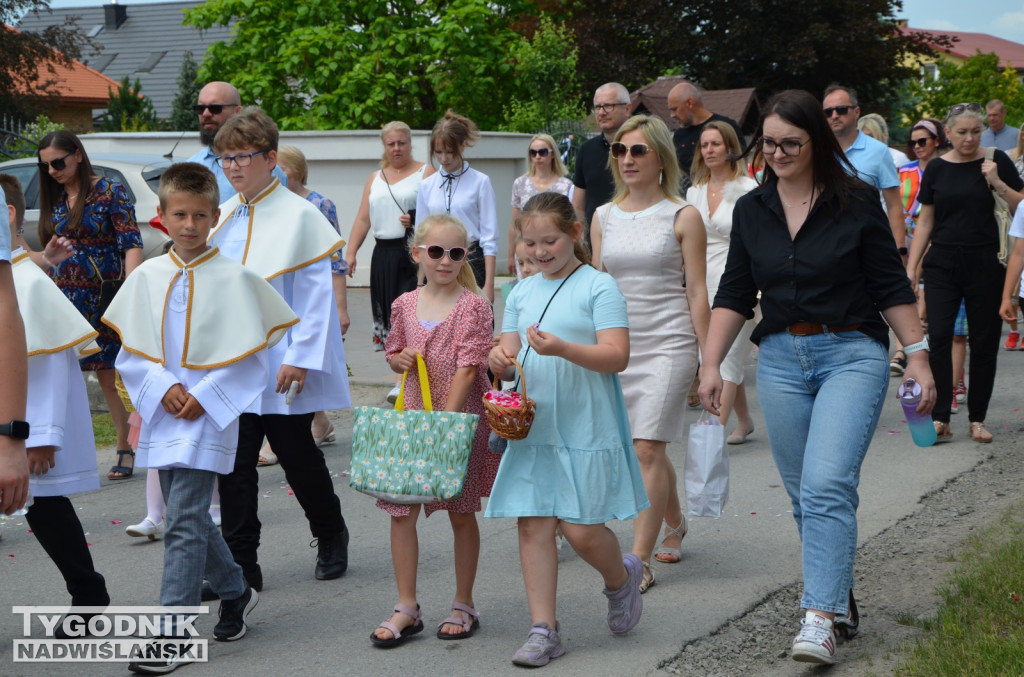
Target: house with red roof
958, 47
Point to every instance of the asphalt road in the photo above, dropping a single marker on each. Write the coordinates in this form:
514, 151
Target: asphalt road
322, 627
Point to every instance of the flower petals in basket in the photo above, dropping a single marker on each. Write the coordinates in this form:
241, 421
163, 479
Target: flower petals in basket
509, 413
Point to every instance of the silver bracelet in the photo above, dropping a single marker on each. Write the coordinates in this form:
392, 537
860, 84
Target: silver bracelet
917, 347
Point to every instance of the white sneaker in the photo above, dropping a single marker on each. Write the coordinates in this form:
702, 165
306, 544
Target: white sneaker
393, 395
816, 642
147, 528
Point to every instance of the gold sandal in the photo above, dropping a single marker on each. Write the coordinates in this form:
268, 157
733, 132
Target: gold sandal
647, 582
979, 433
942, 432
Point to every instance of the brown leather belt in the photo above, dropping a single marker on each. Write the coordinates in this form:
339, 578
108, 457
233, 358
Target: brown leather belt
809, 328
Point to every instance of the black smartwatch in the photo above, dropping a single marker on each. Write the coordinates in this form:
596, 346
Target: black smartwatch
903, 251
16, 429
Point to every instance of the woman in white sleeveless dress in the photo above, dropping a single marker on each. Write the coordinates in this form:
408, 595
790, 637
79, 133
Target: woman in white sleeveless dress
653, 244
388, 211
719, 179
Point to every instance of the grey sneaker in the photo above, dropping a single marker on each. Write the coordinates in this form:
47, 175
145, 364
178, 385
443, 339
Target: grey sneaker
816, 642
541, 646
625, 604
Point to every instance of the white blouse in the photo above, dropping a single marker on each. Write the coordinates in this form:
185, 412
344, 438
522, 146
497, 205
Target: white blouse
388, 203
468, 196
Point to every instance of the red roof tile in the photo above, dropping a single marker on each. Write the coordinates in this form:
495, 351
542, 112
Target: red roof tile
76, 83
966, 45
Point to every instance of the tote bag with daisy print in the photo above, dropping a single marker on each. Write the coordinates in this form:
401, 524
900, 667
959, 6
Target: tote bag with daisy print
417, 456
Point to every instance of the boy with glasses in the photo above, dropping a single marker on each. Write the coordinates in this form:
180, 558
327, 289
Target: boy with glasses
288, 242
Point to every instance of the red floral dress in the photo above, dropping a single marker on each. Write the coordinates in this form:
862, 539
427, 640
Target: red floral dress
463, 339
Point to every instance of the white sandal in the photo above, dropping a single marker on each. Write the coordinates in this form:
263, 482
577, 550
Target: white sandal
675, 553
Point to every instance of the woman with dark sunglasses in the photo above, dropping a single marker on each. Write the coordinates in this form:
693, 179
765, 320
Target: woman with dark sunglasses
98, 217
546, 173
958, 220
653, 243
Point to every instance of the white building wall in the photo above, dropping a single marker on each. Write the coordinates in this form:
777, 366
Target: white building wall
341, 161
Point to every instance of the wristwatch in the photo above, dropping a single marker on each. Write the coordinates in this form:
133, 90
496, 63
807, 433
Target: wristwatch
16, 429
916, 347
903, 251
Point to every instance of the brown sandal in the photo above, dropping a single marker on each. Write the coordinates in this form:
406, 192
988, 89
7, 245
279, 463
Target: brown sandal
979, 433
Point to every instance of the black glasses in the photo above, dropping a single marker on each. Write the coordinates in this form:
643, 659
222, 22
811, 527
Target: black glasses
543, 152
636, 150
961, 107
790, 147
607, 107
437, 252
242, 159
214, 108
922, 142
57, 163
842, 110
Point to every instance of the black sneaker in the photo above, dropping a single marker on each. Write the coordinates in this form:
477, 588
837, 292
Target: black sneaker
253, 577
233, 613
162, 657
331, 555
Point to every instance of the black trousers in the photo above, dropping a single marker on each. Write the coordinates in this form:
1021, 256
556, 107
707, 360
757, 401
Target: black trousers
55, 525
975, 275
304, 468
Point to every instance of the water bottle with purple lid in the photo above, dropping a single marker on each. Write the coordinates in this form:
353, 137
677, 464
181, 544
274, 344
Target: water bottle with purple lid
921, 427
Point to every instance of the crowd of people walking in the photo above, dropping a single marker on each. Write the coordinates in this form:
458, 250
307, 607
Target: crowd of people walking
813, 241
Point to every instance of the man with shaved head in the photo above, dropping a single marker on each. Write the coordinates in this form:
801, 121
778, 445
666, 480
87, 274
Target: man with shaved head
219, 101
686, 107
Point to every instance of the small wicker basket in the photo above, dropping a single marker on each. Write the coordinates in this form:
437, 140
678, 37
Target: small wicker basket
511, 423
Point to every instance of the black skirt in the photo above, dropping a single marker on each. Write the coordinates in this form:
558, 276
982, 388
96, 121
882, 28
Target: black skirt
392, 273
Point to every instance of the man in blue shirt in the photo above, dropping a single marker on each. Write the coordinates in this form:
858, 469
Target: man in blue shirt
998, 134
219, 101
868, 156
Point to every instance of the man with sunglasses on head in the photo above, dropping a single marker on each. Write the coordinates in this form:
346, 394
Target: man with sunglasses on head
869, 157
593, 178
686, 107
219, 101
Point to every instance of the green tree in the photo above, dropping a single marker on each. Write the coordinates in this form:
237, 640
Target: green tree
545, 71
183, 117
28, 60
353, 64
977, 79
129, 110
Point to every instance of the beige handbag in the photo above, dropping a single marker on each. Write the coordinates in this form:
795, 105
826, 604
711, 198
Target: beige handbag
1003, 216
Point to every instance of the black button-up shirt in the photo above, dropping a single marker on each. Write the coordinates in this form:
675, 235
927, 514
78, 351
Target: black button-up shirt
841, 268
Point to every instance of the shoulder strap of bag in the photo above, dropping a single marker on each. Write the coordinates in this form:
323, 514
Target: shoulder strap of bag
544, 312
421, 368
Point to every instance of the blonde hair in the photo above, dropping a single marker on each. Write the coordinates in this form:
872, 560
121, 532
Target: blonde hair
453, 131
699, 171
874, 125
556, 163
394, 126
466, 278
561, 212
657, 136
292, 157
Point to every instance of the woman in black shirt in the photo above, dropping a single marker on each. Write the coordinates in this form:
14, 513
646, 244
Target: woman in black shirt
815, 242
957, 218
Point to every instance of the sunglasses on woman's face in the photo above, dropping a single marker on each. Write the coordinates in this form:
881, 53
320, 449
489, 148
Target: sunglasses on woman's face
543, 152
636, 150
920, 143
58, 163
437, 252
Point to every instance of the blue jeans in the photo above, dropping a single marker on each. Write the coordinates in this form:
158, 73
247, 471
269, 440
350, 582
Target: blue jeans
821, 396
193, 546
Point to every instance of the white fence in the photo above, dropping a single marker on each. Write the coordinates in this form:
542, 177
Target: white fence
340, 162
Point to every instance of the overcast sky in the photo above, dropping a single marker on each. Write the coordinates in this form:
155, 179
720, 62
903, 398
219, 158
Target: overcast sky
1002, 18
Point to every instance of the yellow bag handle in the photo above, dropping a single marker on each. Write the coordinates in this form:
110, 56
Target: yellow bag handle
421, 368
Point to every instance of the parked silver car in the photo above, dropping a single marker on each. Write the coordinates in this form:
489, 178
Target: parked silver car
139, 174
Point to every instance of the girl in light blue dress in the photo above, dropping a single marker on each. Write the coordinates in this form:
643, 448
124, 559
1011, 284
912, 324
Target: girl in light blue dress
577, 468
